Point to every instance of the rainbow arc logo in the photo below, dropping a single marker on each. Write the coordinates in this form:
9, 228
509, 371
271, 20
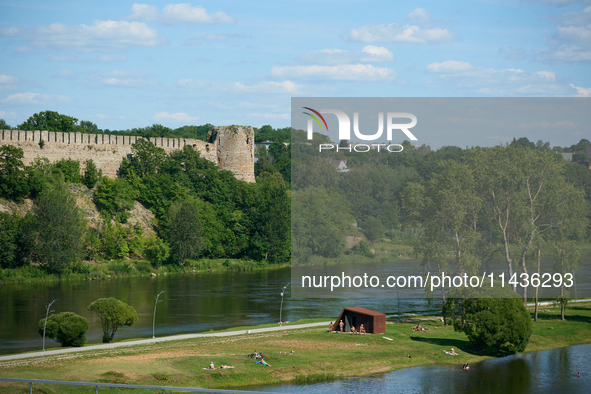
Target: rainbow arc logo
315, 118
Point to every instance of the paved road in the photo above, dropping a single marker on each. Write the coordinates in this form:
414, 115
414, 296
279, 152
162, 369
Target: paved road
203, 335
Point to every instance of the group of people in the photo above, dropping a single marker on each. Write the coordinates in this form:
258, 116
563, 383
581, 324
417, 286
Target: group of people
419, 328
342, 328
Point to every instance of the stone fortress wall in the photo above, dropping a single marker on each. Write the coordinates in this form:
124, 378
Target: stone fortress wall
229, 147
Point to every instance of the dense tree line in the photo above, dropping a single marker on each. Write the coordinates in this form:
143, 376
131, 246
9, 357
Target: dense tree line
201, 212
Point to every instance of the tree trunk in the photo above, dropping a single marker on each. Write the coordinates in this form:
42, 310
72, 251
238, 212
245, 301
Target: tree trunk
524, 269
536, 311
459, 254
562, 303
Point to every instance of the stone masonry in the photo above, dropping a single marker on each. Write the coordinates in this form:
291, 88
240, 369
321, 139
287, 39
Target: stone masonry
229, 147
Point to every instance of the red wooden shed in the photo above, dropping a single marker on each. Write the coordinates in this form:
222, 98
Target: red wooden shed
373, 322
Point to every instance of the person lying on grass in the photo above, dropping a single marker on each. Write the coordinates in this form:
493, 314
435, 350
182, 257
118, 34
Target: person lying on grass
266, 364
227, 367
292, 352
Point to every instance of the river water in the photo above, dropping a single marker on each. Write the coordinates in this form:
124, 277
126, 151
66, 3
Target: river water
191, 303
548, 371
218, 300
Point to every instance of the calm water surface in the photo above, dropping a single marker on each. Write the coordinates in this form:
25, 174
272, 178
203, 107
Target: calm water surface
191, 303
548, 371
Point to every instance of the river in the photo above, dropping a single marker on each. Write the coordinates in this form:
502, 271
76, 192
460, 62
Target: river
547, 371
191, 303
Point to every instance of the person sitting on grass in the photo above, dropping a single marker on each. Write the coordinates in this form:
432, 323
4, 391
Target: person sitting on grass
210, 366
361, 329
353, 329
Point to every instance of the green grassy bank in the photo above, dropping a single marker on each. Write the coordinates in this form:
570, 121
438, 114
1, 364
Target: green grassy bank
318, 355
130, 268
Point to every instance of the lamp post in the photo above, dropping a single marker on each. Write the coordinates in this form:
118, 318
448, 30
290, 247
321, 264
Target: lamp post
154, 319
45, 323
574, 280
281, 309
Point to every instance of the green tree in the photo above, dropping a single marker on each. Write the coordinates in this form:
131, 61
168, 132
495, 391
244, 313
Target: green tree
50, 121
13, 181
320, 221
115, 197
69, 168
146, 159
67, 328
4, 125
112, 313
157, 251
88, 127
91, 174
9, 239
269, 232
184, 230
373, 229
60, 228
499, 325
456, 207
570, 222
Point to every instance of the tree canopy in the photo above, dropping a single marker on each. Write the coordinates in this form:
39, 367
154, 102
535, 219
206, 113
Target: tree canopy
113, 313
67, 328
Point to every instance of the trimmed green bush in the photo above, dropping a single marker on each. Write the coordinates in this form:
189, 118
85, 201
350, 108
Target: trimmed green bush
67, 328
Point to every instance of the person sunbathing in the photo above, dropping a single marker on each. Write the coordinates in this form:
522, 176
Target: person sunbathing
266, 364
361, 329
353, 329
227, 367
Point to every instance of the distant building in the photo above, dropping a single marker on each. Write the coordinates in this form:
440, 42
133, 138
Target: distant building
340, 165
567, 157
266, 144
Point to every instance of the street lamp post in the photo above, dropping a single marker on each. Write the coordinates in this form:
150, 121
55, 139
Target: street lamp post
154, 319
46, 316
281, 308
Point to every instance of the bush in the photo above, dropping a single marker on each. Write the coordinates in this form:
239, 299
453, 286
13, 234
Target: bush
67, 328
500, 325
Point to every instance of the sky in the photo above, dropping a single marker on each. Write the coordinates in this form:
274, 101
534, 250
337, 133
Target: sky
123, 64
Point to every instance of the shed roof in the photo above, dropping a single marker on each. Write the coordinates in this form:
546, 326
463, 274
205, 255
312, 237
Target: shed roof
364, 311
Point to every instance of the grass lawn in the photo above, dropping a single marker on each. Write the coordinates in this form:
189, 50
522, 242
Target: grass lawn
318, 356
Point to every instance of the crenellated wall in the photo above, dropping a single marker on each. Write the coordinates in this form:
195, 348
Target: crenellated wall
230, 148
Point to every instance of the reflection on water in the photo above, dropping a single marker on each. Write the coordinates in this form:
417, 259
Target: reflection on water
548, 371
191, 303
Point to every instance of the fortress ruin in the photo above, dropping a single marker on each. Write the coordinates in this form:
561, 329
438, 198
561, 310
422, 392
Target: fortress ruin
229, 147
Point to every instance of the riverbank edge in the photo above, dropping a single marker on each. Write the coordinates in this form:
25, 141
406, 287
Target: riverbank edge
262, 329
134, 268
246, 330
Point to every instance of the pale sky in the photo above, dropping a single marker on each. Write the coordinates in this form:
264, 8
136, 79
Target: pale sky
124, 64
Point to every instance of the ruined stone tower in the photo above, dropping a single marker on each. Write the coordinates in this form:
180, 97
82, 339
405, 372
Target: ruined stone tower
230, 148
